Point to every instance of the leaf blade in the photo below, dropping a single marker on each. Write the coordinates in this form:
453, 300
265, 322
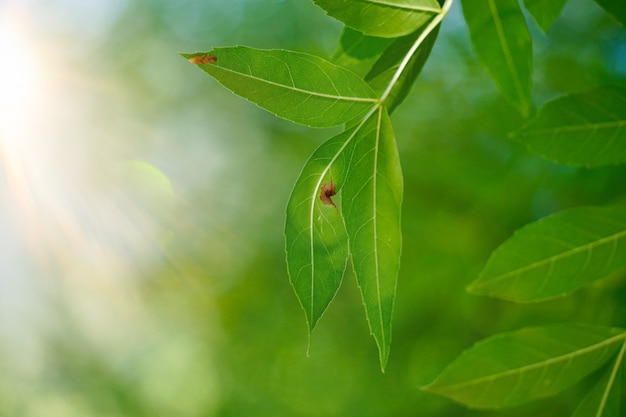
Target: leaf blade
384, 18
503, 46
371, 205
605, 397
556, 255
516, 367
358, 52
316, 242
544, 12
616, 9
385, 67
586, 129
295, 86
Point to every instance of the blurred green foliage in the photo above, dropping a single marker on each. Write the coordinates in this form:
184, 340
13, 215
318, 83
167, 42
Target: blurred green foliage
196, 317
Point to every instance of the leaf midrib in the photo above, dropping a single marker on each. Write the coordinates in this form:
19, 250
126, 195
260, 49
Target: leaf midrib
574, 128
507, 53
609, 385
536, 365
299, 90
404, 6
552, 259
318, 184
375, 237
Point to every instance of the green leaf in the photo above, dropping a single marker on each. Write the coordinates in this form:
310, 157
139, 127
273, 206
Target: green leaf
315, 235
299, 87
384, 18
605, 397
504, 47
544, 11
358, 52
513, 368
587, 129
616, 8
556, 255
384, 69
371, 202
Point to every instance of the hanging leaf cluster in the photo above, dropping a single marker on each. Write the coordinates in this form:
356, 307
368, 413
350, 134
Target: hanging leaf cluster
346, 203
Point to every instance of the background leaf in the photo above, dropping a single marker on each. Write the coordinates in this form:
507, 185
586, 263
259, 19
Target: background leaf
617, 9
605, 398
383, 70
315, 235
587, 129
357, 52
544, 12
371, 205
299, 87
556, 255
513, 368
387, 19
503, 46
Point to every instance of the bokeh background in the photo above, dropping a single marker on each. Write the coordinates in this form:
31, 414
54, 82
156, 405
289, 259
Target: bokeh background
142, 267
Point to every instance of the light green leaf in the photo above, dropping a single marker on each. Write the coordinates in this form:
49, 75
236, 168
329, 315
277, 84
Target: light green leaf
544, 11
504, 47
556, 255
315, 235
299, 87
384, 18
371, 202
357, 52
384, 69
616, 8
605, 397
513, 368
587, 129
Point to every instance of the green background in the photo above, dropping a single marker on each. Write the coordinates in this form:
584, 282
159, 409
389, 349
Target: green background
142, 268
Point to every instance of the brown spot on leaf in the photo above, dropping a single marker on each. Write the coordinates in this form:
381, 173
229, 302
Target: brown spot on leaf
203, 59
328, 190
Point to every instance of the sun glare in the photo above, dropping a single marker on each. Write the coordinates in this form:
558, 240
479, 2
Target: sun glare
19, 78
20, 84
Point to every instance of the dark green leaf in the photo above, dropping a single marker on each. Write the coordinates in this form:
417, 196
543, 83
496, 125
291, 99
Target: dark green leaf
544, 11
556, 255
384, 69
587, 129
372, 198
605, 397
384, 18
504, 47
513, 368
299, 87
315, 235
357, 52
616, 8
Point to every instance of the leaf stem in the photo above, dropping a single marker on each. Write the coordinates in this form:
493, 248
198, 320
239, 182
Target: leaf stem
609, 385
431, 26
